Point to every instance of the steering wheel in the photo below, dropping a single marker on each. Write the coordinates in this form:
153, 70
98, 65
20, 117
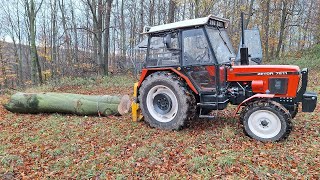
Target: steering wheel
202, 55
187, 57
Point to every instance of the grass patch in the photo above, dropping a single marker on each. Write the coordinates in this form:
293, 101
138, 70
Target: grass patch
198, 164
227, 159
306, 59
10, 160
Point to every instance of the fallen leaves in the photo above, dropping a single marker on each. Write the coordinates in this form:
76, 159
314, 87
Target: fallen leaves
65, 146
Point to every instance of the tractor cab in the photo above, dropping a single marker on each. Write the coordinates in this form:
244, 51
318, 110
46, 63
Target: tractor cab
200, 49
202, 41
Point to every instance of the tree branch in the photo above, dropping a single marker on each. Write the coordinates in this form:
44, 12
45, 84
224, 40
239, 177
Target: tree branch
92, 11
39, 7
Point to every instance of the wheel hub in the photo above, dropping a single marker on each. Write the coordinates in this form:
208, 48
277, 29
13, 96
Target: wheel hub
162, 103
264, 123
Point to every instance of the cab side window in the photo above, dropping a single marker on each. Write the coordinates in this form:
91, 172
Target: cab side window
196, 48
160, 55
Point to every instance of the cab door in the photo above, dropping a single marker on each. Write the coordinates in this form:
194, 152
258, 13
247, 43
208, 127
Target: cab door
198, 61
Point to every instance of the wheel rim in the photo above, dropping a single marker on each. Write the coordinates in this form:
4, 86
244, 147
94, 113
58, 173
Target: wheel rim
162, 103
264, 124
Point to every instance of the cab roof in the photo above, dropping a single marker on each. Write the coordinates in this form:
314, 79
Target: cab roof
188, 23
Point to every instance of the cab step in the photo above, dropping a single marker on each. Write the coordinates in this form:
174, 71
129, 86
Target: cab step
205, 116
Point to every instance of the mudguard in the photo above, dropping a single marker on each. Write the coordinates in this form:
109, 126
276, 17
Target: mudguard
253, 97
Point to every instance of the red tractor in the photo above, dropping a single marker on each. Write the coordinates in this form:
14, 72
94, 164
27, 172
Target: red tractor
189, 71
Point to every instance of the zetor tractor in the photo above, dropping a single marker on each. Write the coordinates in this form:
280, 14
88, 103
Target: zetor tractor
190, 71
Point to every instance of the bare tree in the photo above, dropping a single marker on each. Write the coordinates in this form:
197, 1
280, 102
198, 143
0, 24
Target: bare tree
266, 27
172, 8
15, 34
54, 38
284, 15
31, 12
96, 9
107, 36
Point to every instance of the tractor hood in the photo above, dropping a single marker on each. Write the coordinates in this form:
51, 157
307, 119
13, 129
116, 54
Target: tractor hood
263, 70
262, 78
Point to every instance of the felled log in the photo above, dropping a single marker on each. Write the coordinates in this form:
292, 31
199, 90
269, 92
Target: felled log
68, 103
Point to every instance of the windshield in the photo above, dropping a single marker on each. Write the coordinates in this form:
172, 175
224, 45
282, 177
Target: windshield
221, 45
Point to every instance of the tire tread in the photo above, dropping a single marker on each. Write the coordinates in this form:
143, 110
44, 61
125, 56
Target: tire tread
187, 92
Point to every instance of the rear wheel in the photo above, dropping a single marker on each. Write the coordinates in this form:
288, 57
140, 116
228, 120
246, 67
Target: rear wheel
266, 121
166, 102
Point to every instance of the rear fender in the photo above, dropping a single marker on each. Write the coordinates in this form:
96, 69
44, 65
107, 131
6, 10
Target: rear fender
146, 72
256, 96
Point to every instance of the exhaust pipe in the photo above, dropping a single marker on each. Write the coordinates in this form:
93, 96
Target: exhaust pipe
244, 54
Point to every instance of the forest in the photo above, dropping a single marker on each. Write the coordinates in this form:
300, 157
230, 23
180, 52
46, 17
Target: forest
47, 40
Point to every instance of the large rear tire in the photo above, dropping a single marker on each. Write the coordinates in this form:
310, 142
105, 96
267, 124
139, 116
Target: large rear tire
166, 102
266, 121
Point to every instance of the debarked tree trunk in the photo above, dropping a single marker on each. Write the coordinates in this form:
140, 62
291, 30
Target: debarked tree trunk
69, 104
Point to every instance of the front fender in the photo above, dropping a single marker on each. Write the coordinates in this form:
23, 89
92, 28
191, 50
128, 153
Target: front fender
269, 96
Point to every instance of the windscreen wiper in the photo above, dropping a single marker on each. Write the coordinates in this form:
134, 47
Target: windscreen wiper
224, 40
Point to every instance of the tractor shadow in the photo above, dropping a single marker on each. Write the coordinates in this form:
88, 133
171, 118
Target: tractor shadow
221, 119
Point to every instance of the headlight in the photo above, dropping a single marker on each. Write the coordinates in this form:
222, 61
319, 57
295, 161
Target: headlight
278, 85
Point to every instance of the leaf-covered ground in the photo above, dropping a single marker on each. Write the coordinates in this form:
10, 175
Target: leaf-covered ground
66, 146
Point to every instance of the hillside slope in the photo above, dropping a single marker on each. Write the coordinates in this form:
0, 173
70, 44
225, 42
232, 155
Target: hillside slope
309, 58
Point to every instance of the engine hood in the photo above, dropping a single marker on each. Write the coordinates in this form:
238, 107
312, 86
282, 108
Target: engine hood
260, 76
263, 70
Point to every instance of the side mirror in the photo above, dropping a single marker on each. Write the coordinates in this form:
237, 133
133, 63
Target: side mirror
167, 41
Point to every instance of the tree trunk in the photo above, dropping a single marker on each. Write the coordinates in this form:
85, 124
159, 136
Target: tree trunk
93, 8
172, 9
101, 64
65, 29
317, 29
266, 48
307, 25
249, 16
75, 36
151, 13
20, 51
141, 23
68, 103
31, 13
282, 26
123, 32
3, 67
196, 8
184, 10
54, 48
17, 60
107, 37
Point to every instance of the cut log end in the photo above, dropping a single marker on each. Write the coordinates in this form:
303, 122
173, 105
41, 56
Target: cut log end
124, 106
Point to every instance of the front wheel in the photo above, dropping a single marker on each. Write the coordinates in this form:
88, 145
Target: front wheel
266, 121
